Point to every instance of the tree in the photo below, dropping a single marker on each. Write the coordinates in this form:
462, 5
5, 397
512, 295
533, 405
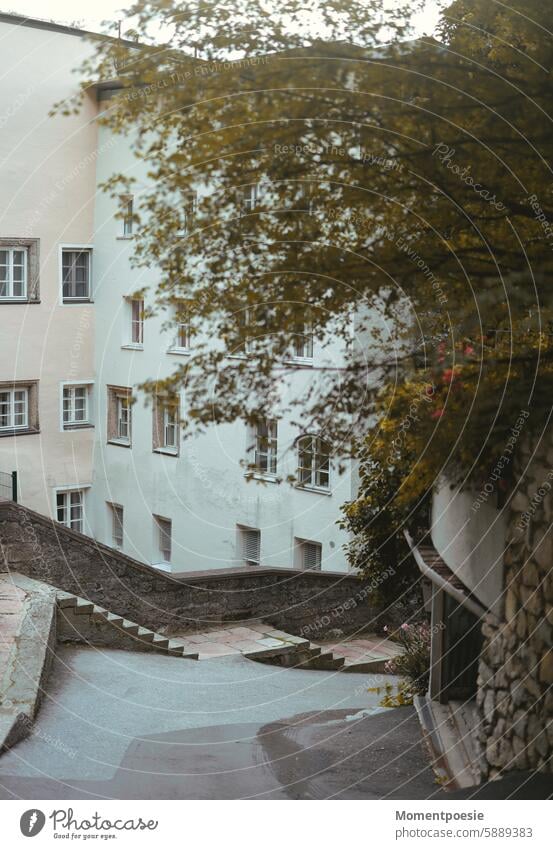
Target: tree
345, 171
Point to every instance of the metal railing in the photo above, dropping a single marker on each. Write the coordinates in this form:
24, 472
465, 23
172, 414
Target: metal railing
8, 486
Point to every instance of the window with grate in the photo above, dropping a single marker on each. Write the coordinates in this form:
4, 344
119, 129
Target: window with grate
312, 553
250, 545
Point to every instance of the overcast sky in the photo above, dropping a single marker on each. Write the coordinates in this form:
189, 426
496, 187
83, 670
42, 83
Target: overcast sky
89, 14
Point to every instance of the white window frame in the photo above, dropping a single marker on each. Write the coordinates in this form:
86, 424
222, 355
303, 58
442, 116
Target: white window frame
117, 514
123, 402
183, 330
12, 391
304, 553
72, 385
302, 345
10, 297
252, 197
74, 301
133, 326
315, 469
162, 537
264, 446
128, 223
190, 209
68, 491
245, 537
171, 422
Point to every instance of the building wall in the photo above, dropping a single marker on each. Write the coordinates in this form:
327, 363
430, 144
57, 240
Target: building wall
470, 536
47, 174
204, 491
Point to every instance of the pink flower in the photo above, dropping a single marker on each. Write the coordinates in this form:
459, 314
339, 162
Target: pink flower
469, 350
437, 414
404, 627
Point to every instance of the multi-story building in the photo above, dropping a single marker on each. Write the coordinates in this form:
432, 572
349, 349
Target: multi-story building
79, 345
47, 174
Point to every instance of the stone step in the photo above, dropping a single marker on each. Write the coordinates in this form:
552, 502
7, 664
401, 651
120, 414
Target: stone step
93, 616
83, 607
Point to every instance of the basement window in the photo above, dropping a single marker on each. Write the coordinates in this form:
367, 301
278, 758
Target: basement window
250, 545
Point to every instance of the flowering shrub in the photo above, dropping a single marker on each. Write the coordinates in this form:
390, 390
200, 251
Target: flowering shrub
414, 662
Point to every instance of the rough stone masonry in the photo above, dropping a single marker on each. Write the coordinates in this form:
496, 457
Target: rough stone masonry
515, 694
289, 599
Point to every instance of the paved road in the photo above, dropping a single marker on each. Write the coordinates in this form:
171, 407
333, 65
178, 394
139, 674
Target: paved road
126, 725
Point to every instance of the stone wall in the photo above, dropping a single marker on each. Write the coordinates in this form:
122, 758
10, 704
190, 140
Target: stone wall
516, 668
303, 603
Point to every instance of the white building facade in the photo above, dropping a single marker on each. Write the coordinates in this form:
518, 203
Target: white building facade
121, 470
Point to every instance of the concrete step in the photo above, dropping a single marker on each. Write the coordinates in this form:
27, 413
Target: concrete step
82, 621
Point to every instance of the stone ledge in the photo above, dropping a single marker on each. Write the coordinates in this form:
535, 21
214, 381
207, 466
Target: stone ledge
29, 663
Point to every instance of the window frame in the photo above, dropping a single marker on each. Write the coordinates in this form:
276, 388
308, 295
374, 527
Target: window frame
68, 491
10, 297
119, 398
75, 300
11, 392
128, 218
117, 523
30, 402
162, 536
314, 469
307, 341
243, 531
72, 386
270, 452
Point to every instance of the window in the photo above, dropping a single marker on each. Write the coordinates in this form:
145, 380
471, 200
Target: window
189, 213
19, 270
249, 545
164, 538
266, 444
137, 321
313, 462
183, 330
252, 197
119, 415
75, 274
166, 424
116, 525
303, 343
14, 409
13, 273
128, 219
18, 408
310, 554
75, 406
70, 509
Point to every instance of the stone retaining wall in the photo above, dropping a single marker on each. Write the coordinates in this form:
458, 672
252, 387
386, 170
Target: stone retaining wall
516, 669
302, 603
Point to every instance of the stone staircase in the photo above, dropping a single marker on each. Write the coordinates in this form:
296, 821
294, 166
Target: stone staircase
79, 620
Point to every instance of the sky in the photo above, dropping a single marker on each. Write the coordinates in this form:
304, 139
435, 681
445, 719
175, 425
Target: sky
89, 14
